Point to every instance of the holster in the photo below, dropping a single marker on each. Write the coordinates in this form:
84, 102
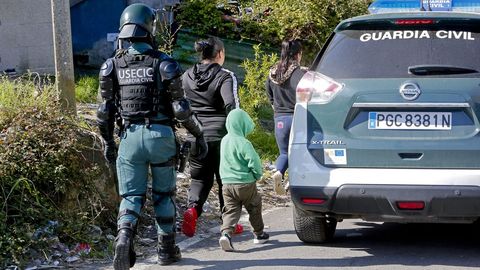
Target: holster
183, 155
120, 125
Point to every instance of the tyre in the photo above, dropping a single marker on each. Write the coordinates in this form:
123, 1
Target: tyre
313, 230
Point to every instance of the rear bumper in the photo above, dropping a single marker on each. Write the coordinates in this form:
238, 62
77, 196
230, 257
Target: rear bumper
449, 204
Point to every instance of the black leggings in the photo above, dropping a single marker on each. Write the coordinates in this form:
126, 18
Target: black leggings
203, 173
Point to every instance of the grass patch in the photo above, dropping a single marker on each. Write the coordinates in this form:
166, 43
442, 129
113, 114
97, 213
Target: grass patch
86, 89
25, 92
264, 143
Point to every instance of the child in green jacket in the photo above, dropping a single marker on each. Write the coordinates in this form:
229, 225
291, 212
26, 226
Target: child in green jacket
240, 168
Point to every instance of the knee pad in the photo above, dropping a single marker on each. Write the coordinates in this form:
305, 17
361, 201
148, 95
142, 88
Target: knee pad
158, 197
167, 221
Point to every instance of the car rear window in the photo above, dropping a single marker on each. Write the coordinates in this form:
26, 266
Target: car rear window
388, 52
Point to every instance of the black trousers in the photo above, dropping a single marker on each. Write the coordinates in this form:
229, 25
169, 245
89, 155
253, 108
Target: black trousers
203, 173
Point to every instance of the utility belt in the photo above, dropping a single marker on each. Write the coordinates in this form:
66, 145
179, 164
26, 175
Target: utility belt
146, 121
183, 149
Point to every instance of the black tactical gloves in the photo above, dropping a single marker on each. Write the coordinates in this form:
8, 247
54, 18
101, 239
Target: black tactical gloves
110, 151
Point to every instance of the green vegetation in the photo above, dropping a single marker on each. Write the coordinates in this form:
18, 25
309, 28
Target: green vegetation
312, 21
47, 183
202, 17
264, 143
14, 99
252, 93
254, 100
86, 89
165, 35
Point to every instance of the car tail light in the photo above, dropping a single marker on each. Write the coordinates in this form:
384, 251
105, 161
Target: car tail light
317, 88
313, 200
413, 205
414, 21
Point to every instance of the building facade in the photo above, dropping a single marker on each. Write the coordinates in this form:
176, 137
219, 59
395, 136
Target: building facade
27, 37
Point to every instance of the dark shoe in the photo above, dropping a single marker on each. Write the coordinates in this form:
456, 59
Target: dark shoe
168, 252
261, 239
125, 255
226, 242
189, 224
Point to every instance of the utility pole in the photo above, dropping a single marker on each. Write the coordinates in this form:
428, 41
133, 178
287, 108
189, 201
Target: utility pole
62, 43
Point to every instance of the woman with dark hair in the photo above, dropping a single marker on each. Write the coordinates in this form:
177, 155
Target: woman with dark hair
212, 91
281, 86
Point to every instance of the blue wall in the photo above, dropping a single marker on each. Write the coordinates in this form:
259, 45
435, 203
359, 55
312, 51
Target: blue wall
92, 20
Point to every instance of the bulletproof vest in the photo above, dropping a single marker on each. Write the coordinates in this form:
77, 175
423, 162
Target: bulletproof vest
142, 94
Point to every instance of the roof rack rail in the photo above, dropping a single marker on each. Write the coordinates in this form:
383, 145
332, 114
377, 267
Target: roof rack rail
394, 6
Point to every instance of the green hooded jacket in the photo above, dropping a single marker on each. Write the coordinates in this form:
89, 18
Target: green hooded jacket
239, 162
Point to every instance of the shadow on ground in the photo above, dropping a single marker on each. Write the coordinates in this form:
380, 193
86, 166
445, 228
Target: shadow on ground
387, 244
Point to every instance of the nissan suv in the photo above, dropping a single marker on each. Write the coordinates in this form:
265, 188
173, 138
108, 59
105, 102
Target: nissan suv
386, 126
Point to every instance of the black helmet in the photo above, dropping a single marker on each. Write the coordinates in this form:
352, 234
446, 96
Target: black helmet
137, 21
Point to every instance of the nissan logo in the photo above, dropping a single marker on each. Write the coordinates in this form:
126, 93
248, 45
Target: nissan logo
410, 91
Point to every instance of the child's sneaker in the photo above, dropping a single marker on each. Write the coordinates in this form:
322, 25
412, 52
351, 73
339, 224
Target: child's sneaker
261, 239
226, 242
238, 229
189, 224
277, 183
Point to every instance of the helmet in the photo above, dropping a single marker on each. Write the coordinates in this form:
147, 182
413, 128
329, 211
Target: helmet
137, 21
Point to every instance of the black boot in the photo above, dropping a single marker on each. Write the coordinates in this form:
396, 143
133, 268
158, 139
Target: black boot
168, 252
125, 256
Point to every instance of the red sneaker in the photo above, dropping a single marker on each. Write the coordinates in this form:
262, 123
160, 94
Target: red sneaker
189, 224
238, 229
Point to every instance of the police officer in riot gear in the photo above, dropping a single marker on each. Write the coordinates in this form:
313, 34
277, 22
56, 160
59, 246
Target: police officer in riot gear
141, 87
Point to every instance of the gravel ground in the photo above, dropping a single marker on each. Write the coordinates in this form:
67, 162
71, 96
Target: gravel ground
147, 237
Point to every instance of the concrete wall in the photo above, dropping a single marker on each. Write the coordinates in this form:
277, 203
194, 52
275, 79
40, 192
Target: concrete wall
26, 36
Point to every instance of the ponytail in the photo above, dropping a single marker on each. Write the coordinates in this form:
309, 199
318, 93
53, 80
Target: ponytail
209, 48
290, 48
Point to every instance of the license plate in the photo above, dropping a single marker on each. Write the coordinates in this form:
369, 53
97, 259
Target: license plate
410, 120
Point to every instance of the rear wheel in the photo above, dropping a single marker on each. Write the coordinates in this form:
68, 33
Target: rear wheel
313, 230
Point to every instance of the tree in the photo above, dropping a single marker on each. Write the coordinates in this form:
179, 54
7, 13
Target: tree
309, 20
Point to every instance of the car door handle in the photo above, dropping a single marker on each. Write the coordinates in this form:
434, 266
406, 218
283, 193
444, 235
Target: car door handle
411, 156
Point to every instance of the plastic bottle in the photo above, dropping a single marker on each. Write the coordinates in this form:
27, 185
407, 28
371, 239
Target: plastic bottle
206, 207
